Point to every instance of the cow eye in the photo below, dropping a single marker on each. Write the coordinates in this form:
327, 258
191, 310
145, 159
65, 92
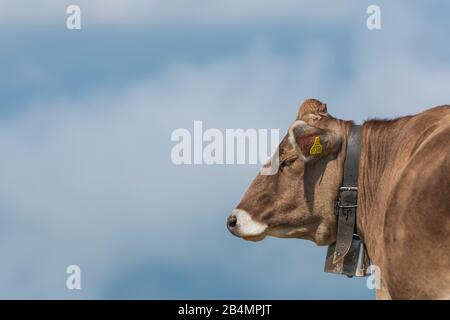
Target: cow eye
286, 163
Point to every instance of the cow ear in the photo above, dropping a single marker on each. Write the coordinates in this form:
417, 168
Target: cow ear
312, 142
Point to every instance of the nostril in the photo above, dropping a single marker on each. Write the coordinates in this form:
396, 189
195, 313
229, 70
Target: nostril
232, 221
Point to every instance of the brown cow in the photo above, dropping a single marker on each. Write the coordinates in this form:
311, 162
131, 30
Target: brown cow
404, 203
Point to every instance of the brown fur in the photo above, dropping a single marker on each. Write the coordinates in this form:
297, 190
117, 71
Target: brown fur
404, 204
404, 214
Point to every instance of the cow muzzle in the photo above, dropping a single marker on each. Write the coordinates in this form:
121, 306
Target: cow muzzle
242, 225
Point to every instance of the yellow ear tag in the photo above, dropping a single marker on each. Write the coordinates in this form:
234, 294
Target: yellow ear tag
316, 148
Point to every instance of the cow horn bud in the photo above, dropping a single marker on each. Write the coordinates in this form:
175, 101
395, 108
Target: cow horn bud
312, 106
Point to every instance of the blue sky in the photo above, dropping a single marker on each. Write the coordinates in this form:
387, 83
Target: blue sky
86, 118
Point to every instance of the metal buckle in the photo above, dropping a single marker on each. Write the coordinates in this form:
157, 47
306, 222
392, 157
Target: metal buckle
348, 189
339, 206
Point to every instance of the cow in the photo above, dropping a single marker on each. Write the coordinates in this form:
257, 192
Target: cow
403, 214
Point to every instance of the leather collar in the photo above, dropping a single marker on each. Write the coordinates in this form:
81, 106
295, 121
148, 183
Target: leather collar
348, 255
347, 203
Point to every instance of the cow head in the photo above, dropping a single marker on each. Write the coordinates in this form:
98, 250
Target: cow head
298, 200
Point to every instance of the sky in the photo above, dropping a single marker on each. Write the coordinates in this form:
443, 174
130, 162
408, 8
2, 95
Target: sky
86, 118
